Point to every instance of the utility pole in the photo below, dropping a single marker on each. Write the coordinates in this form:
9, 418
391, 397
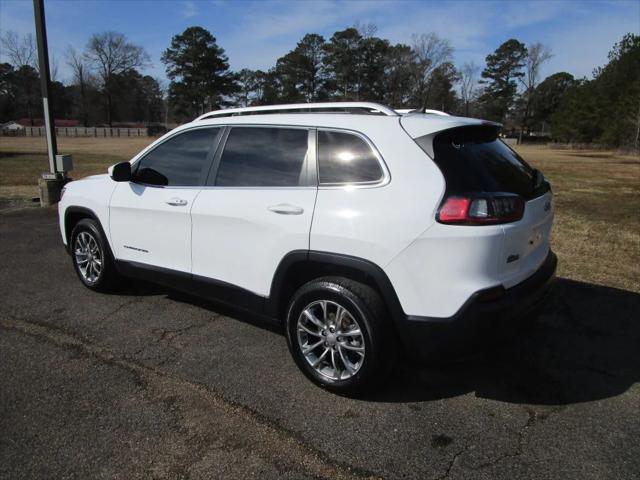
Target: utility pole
45, 82
51, 183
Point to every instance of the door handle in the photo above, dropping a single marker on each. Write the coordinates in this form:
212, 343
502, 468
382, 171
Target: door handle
286, 209
177, 202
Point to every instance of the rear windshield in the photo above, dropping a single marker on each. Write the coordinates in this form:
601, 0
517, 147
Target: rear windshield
473, 159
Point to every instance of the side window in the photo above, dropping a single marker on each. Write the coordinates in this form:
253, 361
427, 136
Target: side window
180, 161
346, 158
263, 157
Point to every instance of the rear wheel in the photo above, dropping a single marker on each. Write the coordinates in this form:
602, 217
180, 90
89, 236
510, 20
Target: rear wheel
339, 336
91, 256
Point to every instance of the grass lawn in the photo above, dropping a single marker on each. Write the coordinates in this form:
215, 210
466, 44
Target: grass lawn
23, 159
597, 194
597, 228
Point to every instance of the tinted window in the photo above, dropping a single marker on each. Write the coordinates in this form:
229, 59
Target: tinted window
180, 161
346, 158
263, 157
473, 159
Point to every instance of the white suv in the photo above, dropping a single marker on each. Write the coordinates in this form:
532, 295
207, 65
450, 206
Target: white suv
368, 232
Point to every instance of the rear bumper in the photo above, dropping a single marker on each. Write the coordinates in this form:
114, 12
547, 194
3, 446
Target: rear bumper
479, 319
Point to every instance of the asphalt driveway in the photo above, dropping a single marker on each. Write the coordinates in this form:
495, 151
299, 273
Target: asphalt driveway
149, 383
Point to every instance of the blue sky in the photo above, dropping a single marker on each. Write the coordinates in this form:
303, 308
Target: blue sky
255, 33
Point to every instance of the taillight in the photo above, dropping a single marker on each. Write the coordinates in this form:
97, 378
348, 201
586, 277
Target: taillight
481, 209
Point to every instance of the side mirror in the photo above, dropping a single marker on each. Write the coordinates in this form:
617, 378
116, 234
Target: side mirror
120, 172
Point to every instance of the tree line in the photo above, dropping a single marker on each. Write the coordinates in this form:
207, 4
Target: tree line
354, 64
106, 83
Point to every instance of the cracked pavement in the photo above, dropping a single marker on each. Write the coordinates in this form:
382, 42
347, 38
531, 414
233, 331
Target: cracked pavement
149, 383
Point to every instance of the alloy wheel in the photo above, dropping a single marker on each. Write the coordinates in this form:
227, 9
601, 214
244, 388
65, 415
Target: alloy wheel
331, 340
88, 257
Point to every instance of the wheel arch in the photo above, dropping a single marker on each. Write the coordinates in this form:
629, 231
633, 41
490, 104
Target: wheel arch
72, 215
301, 266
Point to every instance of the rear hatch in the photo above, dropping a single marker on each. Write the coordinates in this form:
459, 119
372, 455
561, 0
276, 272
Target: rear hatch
499, 188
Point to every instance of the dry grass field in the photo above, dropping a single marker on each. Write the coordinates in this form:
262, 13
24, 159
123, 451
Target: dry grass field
597, 229
23, 159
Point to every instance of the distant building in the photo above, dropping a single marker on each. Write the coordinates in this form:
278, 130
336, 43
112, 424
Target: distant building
39, 122
127, 125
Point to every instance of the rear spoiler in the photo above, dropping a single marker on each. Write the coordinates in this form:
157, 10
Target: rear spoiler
485, 130
420, 124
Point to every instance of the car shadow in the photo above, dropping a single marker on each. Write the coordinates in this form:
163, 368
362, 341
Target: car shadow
251, 318
583, 346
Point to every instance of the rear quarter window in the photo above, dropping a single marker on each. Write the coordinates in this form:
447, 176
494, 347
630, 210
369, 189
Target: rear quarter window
346, 158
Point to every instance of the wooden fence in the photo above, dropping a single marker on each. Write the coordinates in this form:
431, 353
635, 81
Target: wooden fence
79, 132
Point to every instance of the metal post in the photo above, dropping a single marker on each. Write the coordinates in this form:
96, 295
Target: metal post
45, 83
50, 184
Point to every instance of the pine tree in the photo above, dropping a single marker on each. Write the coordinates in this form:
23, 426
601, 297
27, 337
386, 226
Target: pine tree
504, 68
199, 72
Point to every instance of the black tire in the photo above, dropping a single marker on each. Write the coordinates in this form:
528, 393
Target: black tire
368, 310
106, 279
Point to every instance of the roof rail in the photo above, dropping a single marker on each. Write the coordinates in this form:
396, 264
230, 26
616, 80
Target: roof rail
330, 107
436, 112
407, 111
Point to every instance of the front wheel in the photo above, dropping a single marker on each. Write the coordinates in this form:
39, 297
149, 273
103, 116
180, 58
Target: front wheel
339, 335
91, 256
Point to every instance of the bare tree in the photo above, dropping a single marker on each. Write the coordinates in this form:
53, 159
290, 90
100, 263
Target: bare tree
53, 69
537, 54
431, 53
110, 54
164, 92
20, 51
468, 84
82, 78
77, 62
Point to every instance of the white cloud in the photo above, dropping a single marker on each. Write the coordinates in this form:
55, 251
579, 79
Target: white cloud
266, 31
189, 10
255, 34
512, 15
268, 20
580, 39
